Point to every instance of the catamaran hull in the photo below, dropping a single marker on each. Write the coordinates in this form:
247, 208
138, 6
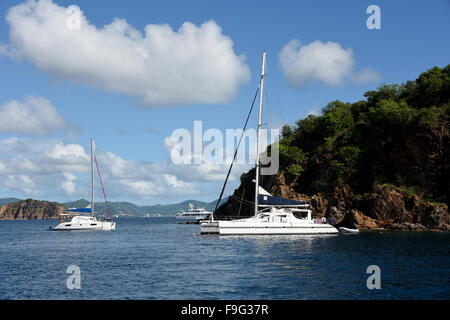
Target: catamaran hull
232, 228
99, 226
193, 218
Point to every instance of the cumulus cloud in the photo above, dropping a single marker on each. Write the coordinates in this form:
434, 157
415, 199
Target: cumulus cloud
69, 184
324, 62
34, 115
159, 66
21, 182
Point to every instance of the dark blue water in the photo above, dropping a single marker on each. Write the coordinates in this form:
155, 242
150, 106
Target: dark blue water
157, 258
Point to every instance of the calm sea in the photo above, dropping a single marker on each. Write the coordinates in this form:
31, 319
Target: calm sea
158, 258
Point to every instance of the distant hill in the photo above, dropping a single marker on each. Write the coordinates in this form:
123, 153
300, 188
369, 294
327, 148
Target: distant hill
8, 200
82, 203
129, 209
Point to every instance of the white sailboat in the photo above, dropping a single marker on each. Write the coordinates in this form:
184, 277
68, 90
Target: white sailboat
272, 215
80, 218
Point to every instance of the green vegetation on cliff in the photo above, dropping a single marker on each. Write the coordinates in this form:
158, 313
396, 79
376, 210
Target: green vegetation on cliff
398, 135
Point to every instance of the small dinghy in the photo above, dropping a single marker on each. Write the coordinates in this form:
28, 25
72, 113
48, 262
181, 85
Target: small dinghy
348, 230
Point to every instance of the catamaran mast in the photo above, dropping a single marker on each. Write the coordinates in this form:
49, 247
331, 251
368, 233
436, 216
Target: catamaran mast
257, 134
92, 177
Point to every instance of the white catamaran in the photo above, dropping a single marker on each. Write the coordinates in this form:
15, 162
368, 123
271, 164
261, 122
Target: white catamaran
80, 217
272, 215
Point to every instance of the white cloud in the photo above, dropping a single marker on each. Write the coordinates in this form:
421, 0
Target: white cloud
69, 184
21, 182
35, 115
70, 151
159, 66
324, 62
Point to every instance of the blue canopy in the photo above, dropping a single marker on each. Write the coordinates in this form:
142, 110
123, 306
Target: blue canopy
277, 201
80, 210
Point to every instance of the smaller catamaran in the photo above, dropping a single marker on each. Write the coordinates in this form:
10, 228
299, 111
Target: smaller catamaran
83, 218
272, 215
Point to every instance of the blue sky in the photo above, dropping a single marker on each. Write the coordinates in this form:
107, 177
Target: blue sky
131, 130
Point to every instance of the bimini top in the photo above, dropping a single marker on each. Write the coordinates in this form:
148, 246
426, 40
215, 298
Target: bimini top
278, 201
87, 210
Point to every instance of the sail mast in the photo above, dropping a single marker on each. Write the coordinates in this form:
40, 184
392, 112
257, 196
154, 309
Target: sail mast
92, 177
257, 134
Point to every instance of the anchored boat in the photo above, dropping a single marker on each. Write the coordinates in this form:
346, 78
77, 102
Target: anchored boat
83, 218
272, 215
276, 216
193, 214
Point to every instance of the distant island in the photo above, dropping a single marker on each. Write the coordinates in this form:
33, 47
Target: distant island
17, 209
383, 162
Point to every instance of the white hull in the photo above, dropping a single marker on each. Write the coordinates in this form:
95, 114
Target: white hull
277, 222
192, 218
85, 223
101, 226
347, 230
233, 228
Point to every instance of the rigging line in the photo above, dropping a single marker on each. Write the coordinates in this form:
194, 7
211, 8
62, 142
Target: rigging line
240, 205
101, 182
236, 151
244, 201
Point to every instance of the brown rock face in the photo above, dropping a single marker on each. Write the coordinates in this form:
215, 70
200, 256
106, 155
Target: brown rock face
356, 219
436, 218
30, 209
388, 206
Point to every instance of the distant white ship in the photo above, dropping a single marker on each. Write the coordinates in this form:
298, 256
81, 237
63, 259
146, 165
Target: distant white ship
193, 214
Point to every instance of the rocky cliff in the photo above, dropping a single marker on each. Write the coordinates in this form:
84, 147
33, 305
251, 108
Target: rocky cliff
31, 209
383, 162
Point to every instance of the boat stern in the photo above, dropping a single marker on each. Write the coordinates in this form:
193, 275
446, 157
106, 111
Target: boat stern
209, 227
